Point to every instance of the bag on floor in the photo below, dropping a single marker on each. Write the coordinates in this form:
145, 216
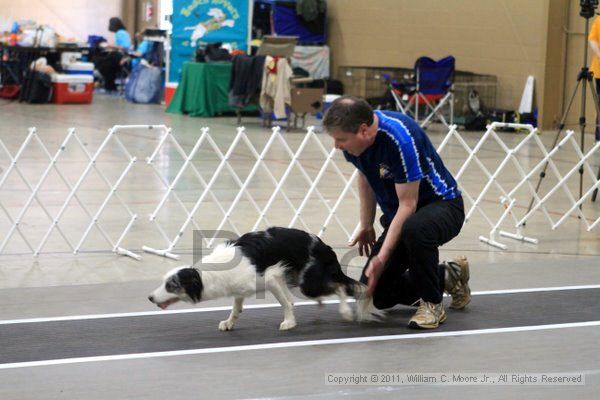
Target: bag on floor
144, 85
476, 122
40, 88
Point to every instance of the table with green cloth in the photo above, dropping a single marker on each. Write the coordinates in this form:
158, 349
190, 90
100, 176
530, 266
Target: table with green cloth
203, 90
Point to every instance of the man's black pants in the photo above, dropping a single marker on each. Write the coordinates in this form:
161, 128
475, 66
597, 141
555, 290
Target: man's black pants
413, 271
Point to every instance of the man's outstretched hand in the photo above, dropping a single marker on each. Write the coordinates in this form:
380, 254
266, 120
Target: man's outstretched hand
365, 239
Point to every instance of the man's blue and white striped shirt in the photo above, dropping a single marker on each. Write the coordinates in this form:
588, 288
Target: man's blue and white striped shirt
402, 153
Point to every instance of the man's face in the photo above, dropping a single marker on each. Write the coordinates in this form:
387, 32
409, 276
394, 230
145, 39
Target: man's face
353, 143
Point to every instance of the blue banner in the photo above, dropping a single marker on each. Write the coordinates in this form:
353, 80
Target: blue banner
206, 21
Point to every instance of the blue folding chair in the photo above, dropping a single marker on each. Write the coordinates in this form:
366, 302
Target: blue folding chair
429, 92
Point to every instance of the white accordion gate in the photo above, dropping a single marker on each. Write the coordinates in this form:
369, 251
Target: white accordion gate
242, 186
509, 193
298, 188
71, 141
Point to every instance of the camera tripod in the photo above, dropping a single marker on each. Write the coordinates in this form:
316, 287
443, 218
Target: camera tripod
584, 78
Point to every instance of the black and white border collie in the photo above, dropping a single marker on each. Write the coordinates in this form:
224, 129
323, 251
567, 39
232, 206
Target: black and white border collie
285, 258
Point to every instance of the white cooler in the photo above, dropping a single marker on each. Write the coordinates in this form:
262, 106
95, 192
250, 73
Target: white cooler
79, 68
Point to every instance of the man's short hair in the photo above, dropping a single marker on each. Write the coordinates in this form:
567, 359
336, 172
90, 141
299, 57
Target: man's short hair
348, 113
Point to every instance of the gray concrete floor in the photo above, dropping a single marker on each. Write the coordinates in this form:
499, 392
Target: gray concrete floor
96, 281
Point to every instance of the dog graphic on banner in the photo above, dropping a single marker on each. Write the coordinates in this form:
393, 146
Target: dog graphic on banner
217, 21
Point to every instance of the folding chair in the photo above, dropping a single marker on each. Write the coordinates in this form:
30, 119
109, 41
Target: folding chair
396, 89
428, 93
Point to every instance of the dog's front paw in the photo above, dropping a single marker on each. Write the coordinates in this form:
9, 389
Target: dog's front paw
287, 325
226, 325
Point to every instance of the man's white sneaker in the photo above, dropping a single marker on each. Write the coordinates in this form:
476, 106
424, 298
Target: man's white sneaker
428, 315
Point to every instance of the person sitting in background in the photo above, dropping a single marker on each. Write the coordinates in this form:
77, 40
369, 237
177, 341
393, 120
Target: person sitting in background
122, 37
108, 63
142, 49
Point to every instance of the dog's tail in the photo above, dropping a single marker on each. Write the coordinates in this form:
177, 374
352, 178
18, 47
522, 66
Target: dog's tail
365, 309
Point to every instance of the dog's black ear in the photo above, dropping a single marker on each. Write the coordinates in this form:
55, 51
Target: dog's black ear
191, 282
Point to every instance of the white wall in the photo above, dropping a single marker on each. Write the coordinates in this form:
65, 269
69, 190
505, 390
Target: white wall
70, 18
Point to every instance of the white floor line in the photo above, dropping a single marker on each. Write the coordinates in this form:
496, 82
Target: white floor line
535, 290
258, 306
269, 346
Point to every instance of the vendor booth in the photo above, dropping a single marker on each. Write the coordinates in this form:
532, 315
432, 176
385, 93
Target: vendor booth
203, 87
200, 88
